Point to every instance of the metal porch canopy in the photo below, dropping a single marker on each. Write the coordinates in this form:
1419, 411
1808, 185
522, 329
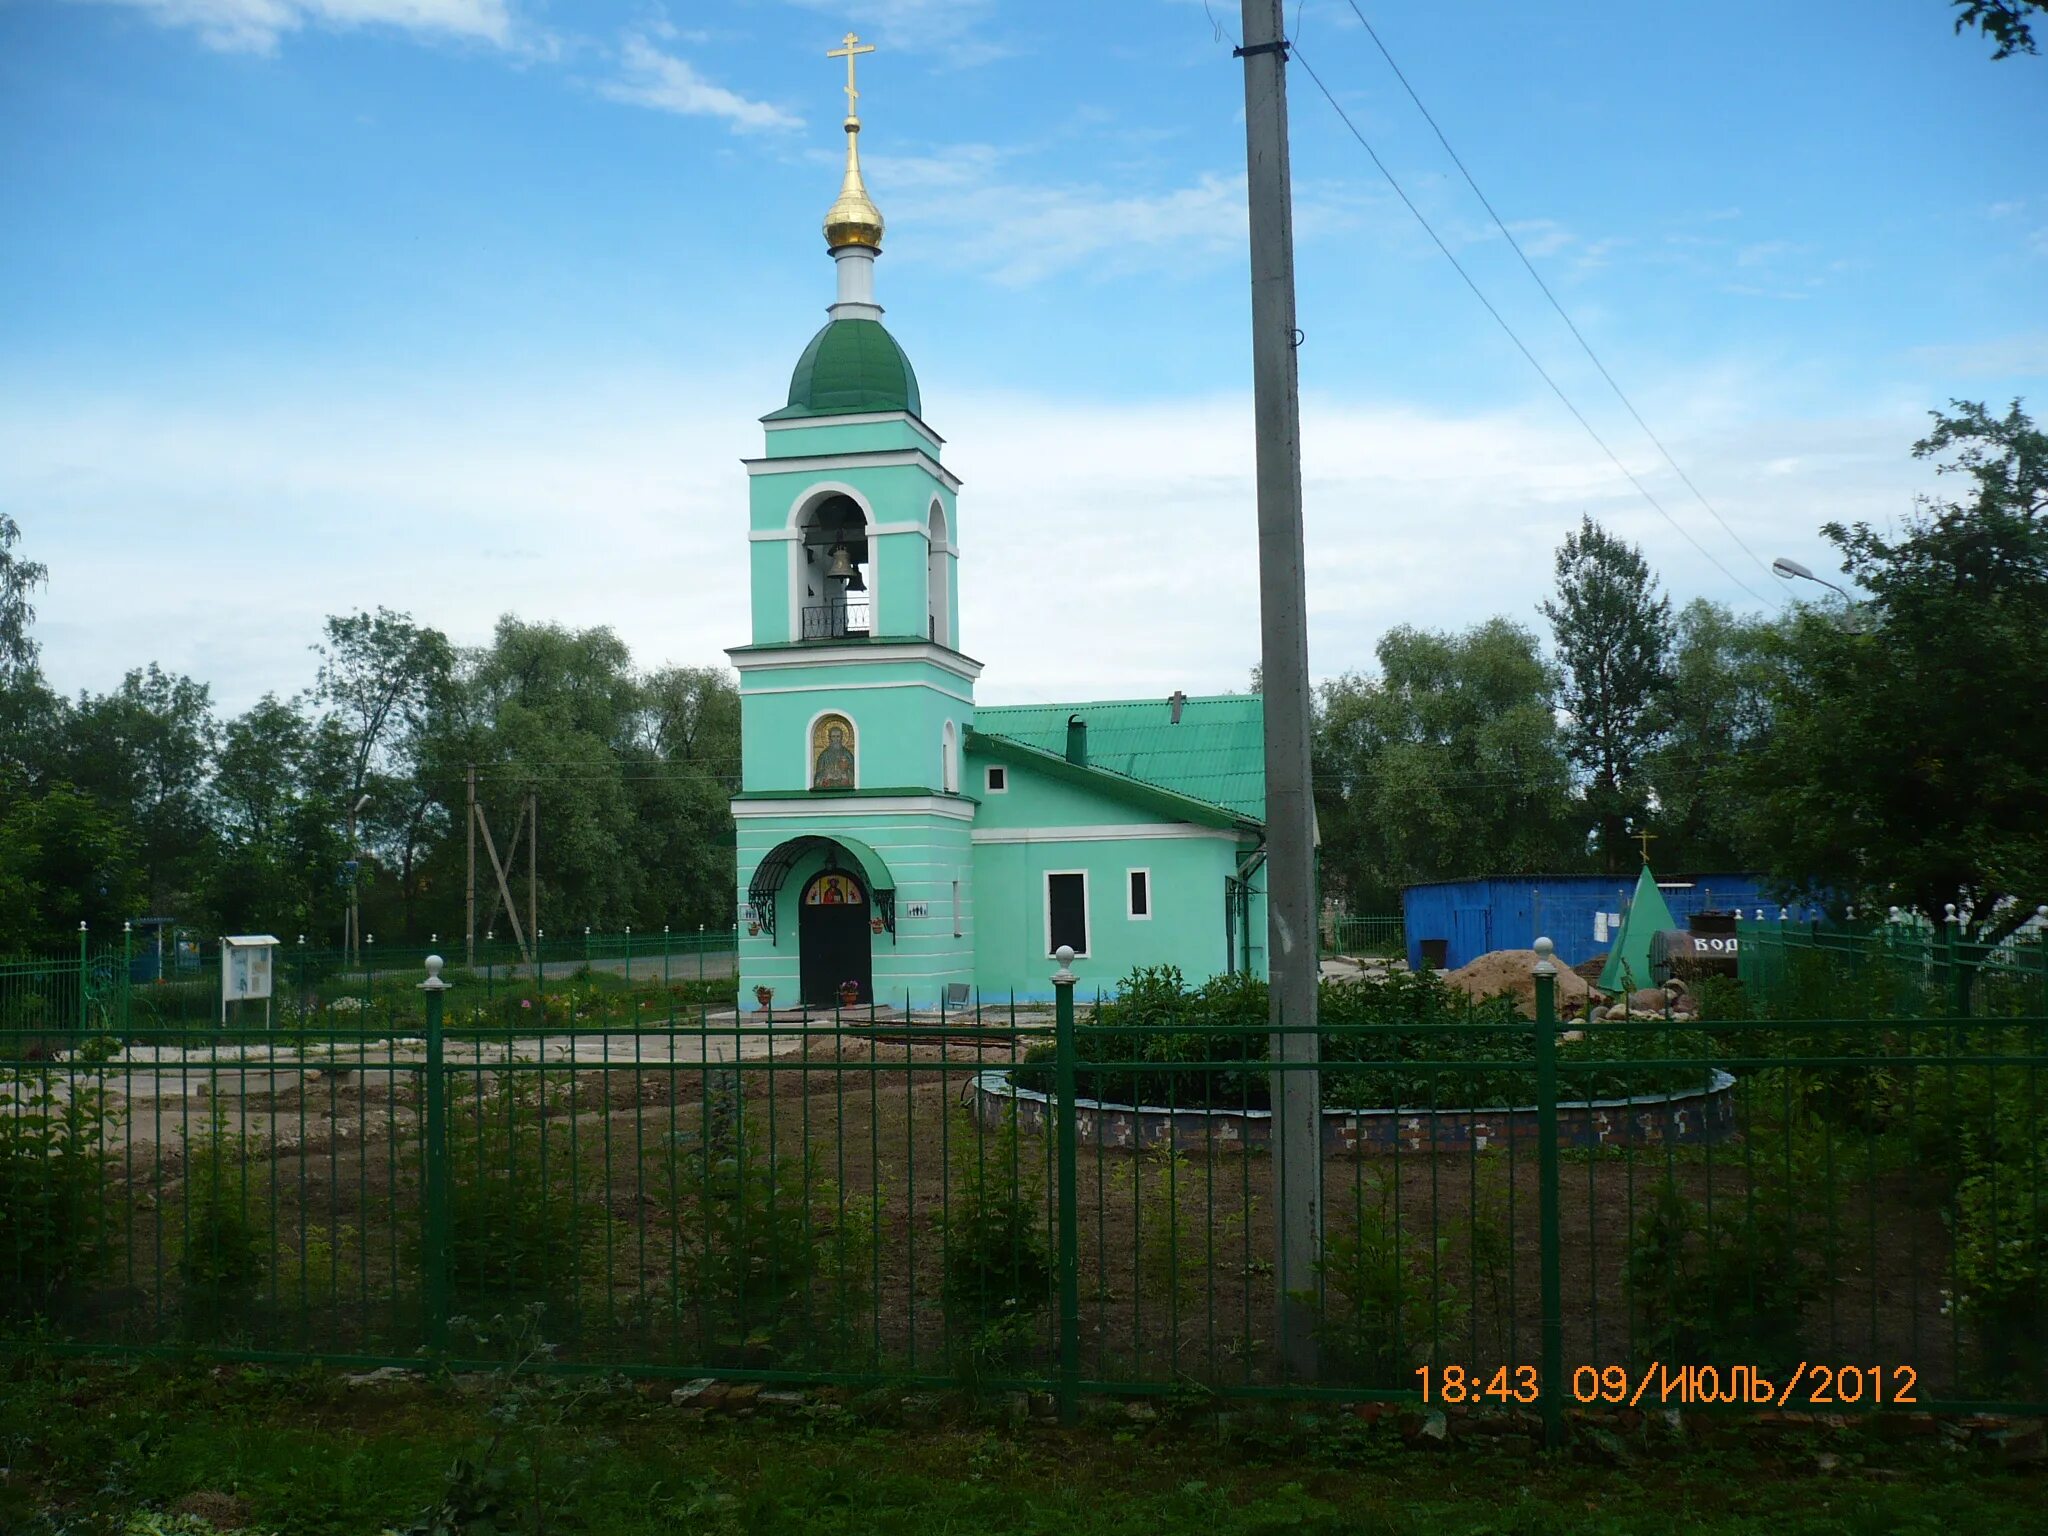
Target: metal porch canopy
776, 864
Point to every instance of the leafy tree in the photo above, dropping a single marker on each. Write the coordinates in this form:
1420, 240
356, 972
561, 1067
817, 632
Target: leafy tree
2006, 22
1447, 763
18, 578
1908, 761
277, 779
1714, 708
65, 859
1613, 635
560, 712
384, 680
29, 712
143, 752
682, 775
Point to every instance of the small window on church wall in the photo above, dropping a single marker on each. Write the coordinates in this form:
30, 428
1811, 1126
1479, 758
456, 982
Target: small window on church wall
1140, 881
1066, 911
949, 760
997, 779
833, 765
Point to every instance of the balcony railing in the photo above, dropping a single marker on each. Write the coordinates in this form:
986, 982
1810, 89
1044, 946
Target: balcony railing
835, 621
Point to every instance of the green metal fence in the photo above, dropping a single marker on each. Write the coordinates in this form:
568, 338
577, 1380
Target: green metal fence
1382, 935
1895, 967
1520, 1213
118, 984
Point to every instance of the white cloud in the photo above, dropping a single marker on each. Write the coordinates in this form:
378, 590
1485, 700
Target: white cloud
1122, 564
1766, 253
254, 26
2001, 356
953, 29
1023, 233
670, 84
1542, 237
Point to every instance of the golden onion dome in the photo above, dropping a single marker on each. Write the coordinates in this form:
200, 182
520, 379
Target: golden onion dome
853, 219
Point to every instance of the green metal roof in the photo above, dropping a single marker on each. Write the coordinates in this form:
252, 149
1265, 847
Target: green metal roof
851, 365
1217, 754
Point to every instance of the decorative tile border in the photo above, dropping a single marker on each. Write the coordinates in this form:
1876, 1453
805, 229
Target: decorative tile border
1696, 1117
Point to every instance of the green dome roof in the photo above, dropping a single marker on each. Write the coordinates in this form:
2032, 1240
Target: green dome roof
851, 365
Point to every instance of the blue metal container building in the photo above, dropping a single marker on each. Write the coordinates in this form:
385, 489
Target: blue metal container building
1456, 921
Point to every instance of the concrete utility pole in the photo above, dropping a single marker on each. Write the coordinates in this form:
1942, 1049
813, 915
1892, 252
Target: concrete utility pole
1283, 625
469, 897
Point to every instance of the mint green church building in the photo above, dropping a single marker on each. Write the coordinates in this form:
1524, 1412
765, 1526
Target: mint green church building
897, 843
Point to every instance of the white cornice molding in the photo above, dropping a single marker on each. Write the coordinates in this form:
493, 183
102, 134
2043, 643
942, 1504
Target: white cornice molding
856, 419
810, 807
878, 530
811, 655
852, 685
874, 458
1131, 832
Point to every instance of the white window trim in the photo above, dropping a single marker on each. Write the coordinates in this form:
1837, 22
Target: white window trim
988, 783
1146, 915
1087, 915
949, 759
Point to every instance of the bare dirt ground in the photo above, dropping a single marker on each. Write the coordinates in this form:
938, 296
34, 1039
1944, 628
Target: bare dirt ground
863, 1144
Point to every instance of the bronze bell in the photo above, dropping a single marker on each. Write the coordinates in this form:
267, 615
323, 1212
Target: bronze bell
841, 566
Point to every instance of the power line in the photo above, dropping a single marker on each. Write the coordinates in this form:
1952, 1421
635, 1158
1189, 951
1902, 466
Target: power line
1509, 331
1516, 245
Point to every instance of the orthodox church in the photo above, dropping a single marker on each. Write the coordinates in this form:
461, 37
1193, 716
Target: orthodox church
897, 842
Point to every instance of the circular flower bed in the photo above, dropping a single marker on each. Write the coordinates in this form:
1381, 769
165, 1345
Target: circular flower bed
1407, 1061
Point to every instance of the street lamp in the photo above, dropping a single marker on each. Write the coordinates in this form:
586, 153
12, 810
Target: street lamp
1792, 570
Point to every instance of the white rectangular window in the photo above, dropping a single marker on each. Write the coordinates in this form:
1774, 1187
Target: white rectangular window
998, 779
1138, 885
1066, 910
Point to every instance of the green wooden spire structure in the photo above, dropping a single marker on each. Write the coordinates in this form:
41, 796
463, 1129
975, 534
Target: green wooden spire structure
1628, 963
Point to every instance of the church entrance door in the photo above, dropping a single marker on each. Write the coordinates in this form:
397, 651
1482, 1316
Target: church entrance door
834, 942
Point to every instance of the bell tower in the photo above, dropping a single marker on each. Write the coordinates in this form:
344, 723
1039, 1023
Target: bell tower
855, 697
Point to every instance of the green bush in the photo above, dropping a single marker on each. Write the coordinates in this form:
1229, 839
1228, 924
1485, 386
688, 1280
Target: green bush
1728, 1288
2001, 1272
519, 1225
54, 1163
225, 1253
1206, 1047
771, 1257
998, 1269
1381, 1309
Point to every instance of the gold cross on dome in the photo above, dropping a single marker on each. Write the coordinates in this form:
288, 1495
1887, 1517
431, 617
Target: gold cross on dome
1646, 838
850, 52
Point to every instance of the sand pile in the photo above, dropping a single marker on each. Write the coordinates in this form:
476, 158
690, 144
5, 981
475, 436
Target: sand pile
1514, 971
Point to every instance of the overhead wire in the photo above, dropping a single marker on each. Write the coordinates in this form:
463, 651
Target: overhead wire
1222, 33
1509, 331
1529, 266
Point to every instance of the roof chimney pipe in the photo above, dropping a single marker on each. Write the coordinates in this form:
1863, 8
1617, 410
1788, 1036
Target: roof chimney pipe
1077, 741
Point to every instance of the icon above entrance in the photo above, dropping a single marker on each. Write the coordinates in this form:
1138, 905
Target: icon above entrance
850, 872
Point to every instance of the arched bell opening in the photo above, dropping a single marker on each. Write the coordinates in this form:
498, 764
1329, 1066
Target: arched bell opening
836, 570
938, 578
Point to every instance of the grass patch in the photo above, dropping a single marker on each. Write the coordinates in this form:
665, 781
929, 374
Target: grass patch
86, 1447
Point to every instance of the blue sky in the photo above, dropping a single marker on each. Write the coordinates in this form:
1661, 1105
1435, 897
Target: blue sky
470, 305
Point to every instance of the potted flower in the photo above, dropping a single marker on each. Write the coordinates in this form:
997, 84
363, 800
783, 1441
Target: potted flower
849, 993
764, 996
